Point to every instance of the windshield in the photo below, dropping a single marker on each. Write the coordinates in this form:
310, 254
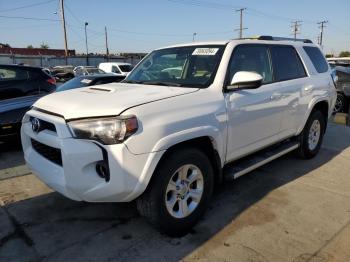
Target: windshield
192, 66
74, 83
125, 68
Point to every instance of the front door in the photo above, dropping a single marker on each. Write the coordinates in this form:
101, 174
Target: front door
254, 115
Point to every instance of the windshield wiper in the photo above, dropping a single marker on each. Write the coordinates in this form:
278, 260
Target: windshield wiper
160, 83
133, 81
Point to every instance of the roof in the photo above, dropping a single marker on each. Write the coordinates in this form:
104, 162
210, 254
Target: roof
264, 40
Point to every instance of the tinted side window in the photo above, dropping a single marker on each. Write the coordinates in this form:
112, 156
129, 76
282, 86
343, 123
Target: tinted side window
7, 74
286, 63
253, 58
115, 70
317, 58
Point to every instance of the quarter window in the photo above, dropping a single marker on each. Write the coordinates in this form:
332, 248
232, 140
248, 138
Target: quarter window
251, 58
286, 63
317, 58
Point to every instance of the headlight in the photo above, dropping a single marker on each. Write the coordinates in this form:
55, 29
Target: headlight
109, 130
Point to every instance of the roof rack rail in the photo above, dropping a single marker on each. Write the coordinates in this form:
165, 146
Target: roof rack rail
277, 38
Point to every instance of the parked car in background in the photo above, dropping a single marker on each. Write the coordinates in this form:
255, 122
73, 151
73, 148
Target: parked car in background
11, 114
89, 80
165, 139
17, 81
20, 87
343, 88
339, 61
62, 73
87, 70
117, 68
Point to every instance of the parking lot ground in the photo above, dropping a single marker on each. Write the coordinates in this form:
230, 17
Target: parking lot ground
288, 210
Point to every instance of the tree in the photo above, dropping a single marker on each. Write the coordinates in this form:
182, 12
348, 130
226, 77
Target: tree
44, 45
344, 53
30, 47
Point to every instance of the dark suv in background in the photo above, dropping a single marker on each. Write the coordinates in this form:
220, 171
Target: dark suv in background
20, 87
16, 81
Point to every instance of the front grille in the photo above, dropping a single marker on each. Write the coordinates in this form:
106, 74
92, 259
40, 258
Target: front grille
44, 125
50, 153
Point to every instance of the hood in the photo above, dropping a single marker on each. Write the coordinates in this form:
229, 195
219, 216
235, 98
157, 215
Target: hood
105, 100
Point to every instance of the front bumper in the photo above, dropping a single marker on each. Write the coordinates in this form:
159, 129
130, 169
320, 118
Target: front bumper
76, 177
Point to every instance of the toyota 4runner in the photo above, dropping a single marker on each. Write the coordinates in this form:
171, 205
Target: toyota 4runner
185, 118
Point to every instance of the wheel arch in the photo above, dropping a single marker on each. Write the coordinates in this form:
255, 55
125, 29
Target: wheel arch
321, 104
206, 144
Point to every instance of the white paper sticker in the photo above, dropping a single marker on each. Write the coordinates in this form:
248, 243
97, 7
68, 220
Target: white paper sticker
205, 51
86, 81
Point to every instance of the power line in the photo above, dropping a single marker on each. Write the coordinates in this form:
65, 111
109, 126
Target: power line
27, 6
29, 18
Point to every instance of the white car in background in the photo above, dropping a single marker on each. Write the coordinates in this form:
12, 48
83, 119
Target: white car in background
165, 139
87, 70
117, 68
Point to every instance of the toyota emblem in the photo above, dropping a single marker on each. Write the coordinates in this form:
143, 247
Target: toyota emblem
35, 125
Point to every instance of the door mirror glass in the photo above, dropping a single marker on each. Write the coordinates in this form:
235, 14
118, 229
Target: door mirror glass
245, 80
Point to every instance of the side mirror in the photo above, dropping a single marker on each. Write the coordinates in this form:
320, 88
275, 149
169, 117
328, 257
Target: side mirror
245, 80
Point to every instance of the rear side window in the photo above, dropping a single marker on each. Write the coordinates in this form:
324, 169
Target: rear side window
286, 63
317, 58
13, 74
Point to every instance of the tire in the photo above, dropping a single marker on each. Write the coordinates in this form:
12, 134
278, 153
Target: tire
160, 192
312, 135
341, 103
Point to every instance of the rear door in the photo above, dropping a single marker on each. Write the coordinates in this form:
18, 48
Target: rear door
289, 71
13, 82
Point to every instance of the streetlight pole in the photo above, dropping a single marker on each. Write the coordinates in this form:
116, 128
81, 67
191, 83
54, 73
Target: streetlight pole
86, 43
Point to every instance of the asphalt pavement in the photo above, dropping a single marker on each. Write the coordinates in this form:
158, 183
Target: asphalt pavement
288, 210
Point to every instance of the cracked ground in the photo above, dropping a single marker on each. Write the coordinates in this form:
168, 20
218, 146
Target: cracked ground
288, 210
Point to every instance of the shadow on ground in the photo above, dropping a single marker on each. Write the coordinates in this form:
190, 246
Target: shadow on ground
11, 154
51, 227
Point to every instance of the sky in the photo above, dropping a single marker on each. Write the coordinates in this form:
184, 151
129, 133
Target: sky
143, 25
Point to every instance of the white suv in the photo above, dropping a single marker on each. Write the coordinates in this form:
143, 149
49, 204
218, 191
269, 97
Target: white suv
185, 118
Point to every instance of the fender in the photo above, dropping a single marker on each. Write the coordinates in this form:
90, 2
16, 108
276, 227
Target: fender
167, 142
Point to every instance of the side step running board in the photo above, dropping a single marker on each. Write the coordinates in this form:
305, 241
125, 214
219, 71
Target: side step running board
247, 164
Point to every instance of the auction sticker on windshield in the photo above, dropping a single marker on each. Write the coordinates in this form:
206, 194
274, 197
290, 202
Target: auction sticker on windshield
205, 51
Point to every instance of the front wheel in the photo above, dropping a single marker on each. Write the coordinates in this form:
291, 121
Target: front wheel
312, 135
179, 192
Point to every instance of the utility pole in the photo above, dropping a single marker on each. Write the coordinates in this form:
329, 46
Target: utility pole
64, 31
296, 28
86, 44
322, 26
241, 28
107, 51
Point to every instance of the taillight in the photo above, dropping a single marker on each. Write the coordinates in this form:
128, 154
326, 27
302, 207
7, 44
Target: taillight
51, 81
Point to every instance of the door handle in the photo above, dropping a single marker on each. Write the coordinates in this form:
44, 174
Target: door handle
308, 88
275, 96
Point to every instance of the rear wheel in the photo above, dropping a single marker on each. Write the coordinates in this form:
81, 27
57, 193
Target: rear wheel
341, 103
312, 135
179, 192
